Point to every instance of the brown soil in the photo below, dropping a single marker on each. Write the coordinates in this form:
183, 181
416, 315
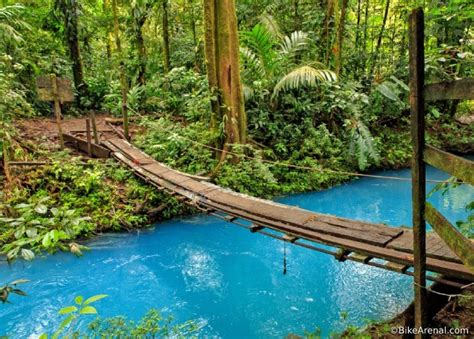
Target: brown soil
43, 132
444, 312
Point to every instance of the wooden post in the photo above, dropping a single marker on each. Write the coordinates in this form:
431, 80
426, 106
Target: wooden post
417, 103
89, 138
6, 165
94, 126
57, 109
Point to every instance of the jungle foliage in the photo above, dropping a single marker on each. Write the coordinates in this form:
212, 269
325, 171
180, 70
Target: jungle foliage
64, 201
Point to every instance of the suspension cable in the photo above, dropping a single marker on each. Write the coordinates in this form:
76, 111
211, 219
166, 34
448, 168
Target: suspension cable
277, 163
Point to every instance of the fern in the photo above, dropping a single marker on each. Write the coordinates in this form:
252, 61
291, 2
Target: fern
361, 146
304, 76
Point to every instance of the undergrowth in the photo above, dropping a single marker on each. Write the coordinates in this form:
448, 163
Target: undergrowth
68, 200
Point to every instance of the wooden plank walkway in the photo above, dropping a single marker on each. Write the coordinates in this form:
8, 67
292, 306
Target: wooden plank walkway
359, 241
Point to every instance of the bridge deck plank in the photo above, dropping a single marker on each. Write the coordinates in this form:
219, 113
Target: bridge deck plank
435, 246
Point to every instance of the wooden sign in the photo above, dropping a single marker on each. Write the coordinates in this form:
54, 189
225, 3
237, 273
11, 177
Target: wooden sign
49, 90
45, 89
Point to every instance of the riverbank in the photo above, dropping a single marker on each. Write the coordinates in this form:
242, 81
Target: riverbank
451, 315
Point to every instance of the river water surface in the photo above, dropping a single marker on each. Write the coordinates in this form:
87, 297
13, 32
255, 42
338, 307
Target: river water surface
226, 278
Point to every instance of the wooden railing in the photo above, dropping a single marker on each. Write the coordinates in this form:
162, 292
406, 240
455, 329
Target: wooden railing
458, 167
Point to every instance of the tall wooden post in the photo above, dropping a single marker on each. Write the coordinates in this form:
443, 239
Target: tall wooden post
89, 137
417, 105
57, 108
6, 165
94, 126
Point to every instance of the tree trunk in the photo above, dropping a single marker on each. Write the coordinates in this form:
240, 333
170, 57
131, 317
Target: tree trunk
196, 44
70, 12
105, 8
358, 24
357, 39
296, 16
340, 37
139, 17
364, 44
123, 76
166, 38
379, 41
222, 59
327, 27
141, 53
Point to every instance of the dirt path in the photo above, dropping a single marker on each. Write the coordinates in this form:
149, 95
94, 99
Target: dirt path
43, 132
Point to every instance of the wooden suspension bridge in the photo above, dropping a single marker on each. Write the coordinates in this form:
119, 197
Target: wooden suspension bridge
378, 245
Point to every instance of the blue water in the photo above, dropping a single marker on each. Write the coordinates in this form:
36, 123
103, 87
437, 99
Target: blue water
226, 278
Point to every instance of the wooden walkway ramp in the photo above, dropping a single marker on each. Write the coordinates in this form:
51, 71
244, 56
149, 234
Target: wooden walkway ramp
373, 244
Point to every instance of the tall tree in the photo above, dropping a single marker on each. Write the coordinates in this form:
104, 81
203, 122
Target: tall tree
379, 40
364, 43
223, 69
140, 12
69, 10
123, 76
328, 18
166, 37
105, 9
340, 36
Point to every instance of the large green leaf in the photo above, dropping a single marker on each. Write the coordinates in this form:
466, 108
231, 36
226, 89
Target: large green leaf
19, 281
88, 310
68, 309
41, 209
27, 254
78, 300
387, 92
95, 298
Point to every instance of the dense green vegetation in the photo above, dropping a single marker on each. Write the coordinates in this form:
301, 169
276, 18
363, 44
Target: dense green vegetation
58, 203
266, 97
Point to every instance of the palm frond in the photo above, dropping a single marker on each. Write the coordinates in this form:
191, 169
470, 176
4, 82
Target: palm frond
10, 13
10, 32
251, 63
261, 42
10, 20
272, 26
304, 76
294, 42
